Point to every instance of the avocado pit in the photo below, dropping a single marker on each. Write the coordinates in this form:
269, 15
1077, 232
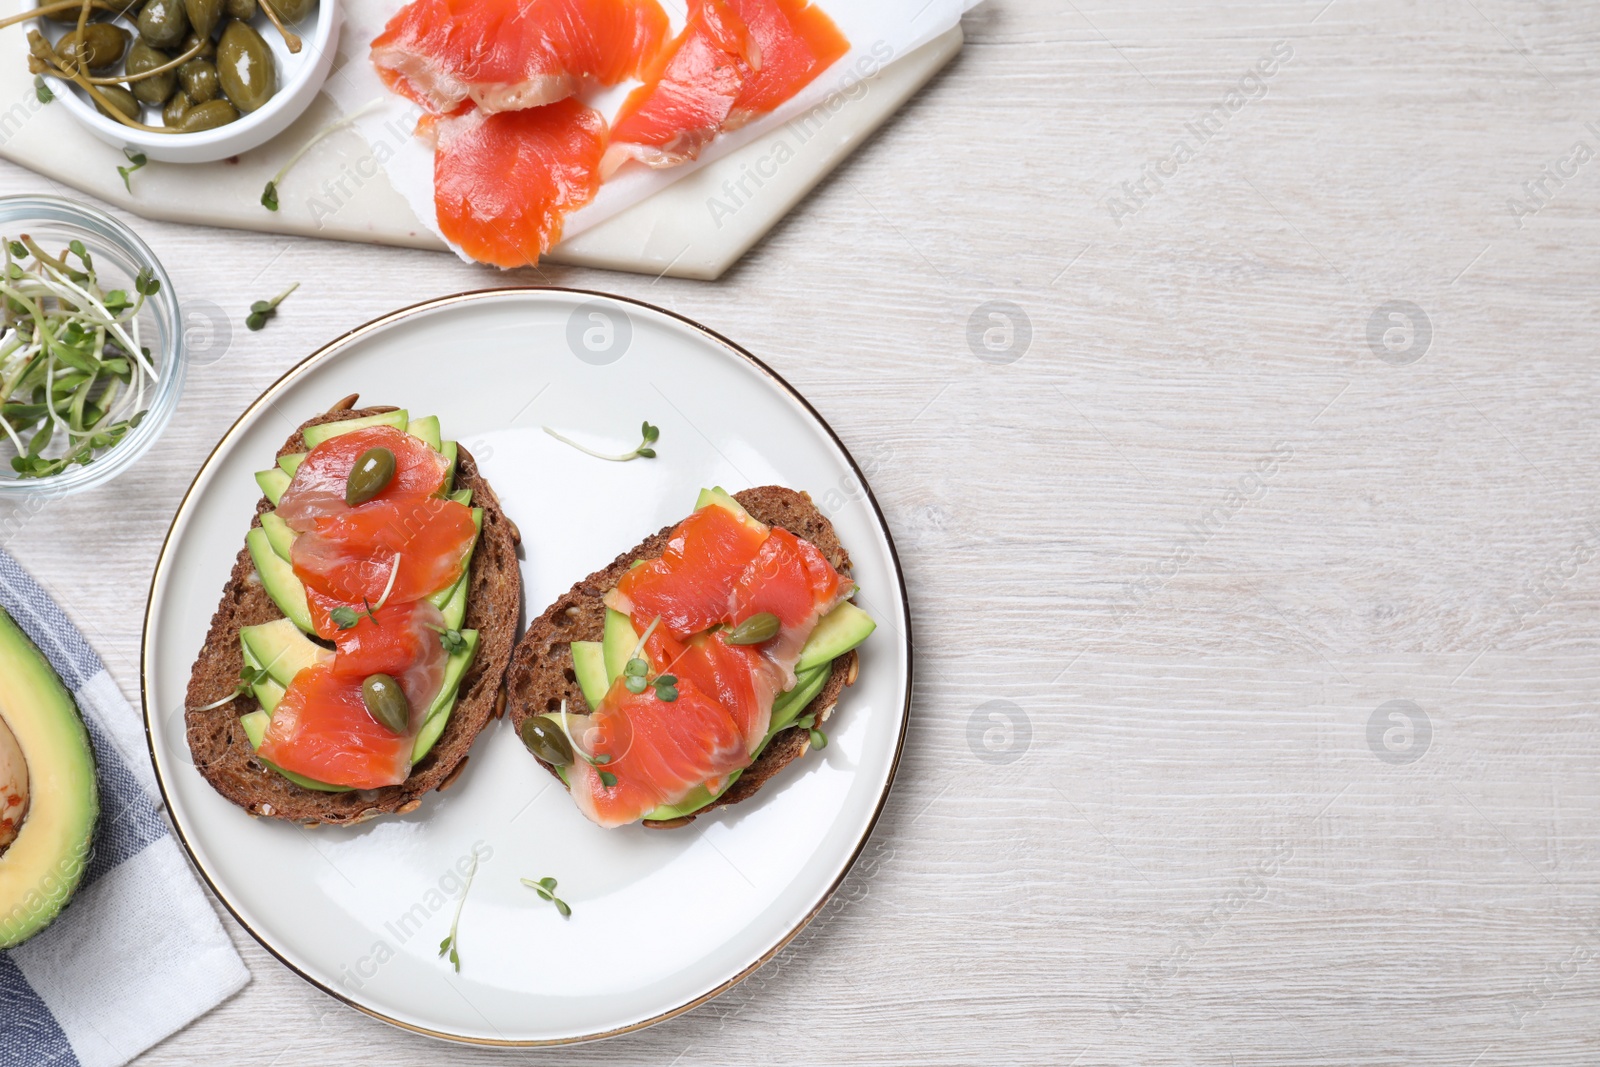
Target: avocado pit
13, 787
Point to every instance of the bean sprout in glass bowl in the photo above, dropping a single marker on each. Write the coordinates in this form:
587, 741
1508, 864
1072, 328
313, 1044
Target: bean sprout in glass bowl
91, 351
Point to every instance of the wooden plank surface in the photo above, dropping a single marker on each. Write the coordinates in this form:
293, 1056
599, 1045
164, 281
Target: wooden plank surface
1196, 535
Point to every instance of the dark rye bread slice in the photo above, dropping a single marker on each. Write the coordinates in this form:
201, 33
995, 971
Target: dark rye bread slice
541, 674
218, 743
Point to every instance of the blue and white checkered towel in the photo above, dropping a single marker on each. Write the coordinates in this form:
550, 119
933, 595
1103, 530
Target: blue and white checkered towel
139, 952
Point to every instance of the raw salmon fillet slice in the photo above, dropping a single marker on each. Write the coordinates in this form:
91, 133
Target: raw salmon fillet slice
317, 489
685, 102
688, 586
504, 183
506, 55
351, 557
656, 751
797, 42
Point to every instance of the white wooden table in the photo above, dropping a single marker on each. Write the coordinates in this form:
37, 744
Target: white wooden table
1190, 525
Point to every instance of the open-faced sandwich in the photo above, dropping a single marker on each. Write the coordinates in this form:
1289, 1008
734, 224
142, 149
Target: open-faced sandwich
363, 636
696, 666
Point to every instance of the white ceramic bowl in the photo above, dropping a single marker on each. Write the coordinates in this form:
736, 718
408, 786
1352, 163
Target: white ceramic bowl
300, 78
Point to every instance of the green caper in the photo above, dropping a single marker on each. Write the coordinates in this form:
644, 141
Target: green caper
755, 630
163, 23
121, 99
204, 15
208, 47
371, 475
199, 80
386, 702
104, 44
158, 88
545, 740
244, 62
176, 107
291, 11
243, 10
207, 116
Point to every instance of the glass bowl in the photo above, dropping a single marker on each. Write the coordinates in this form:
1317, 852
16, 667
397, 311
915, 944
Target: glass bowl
118, 256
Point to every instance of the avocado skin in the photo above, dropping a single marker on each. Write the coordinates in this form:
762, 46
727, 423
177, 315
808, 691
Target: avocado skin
41, 869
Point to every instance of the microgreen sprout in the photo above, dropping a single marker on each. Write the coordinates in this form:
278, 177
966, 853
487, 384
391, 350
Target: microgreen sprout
394, 571
546, 888
449, 944
41, 90
636, 671
73, 370
645, 450
809, 724
269, 195
598, 761
346, 617
262, 310
137, 159
248, 678
452, 640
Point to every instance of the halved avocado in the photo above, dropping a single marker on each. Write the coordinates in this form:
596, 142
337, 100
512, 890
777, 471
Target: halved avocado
282, 649
46, 764
279, 535
315, 435
426, 429
589, 664
278, 579
272, 483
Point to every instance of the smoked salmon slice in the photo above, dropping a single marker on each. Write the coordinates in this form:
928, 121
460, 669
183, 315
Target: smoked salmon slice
798, 41
317, 488
656, 752
322, 729
507, 55
690, 584
685, 102
738, 677
791, 579
734, 61
503, 183
385, 551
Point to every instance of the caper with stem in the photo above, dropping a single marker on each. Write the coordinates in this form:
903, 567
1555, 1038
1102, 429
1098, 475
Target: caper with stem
545, 739
155, 89
207, 116
371, 475
386, 702
163, 23
120, 98
103, 45
200, 81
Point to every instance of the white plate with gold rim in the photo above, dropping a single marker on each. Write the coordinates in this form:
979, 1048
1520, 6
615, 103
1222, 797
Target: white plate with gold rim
661, 920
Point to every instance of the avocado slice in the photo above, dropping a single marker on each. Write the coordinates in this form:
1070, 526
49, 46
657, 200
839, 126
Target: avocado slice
589, 664
291, 463
279, 580
618, 642
439, 714
315, 435
255, 728
426, 429
272, 483
836, 633
282, 649
279, 535
45, 759
451, 452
